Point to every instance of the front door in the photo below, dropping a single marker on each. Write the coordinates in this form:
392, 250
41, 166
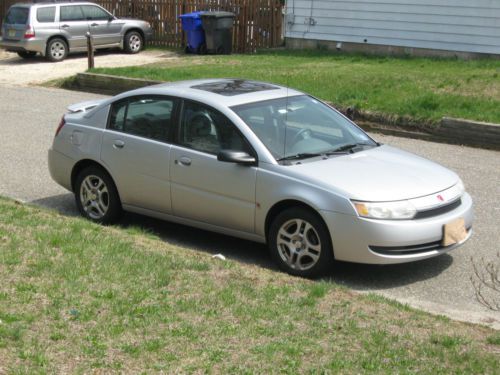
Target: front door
203, 188
136, 151
104, 28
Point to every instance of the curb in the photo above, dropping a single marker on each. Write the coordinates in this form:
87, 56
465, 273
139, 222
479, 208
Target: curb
448, 130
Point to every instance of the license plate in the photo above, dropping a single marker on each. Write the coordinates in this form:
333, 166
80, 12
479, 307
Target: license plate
454, 232
12, 33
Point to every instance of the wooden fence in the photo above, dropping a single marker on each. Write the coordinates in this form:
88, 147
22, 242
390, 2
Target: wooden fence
257, 23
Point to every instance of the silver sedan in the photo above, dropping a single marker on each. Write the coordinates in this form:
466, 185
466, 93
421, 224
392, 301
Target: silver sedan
261, 162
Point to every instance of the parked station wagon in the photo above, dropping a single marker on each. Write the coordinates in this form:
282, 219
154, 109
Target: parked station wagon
261, 162
56, 29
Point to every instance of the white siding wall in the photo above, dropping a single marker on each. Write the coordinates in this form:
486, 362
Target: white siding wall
454, 25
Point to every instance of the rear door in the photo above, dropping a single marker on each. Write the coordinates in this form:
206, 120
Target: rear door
73, 25
102, 25
15, 23
136, 151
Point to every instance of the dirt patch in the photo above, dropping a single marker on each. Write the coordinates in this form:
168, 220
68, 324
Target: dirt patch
15, 71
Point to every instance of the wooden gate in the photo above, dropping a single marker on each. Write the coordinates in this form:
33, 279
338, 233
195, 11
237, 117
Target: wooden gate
257, 23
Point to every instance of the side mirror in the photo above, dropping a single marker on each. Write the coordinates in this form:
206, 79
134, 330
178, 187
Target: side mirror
238, 157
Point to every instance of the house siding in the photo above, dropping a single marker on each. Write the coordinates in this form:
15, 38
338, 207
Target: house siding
452, 25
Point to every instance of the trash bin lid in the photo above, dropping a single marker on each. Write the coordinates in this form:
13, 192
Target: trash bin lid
217, 15
193, 15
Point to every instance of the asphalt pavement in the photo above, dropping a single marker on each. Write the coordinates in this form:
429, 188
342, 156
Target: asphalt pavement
29, 117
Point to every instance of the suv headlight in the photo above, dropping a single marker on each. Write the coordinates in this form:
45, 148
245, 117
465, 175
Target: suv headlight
400, 210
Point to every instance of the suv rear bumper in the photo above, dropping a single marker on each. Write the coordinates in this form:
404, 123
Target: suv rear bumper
34, 45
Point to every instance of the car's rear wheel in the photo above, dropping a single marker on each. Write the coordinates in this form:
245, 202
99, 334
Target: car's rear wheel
26, 54
96, 196
57, 50
300, 243
133, 42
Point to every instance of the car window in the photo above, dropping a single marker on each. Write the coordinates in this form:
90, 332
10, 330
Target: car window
46, 14
207, 130
94, 13
71, 13
147, 116
17, 16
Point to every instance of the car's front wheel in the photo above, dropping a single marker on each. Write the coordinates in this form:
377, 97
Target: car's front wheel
96, 196
57, 50
300, 243
133, 42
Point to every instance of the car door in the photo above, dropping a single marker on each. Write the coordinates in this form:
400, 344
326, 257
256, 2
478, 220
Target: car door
203, 188
102, 25
136, 151
73, 25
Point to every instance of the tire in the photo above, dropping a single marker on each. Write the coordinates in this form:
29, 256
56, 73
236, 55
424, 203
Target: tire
26, 54
300, 243
133, 42
57, 50
96, 196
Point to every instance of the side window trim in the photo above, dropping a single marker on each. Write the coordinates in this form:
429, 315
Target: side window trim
179, 123
128, 100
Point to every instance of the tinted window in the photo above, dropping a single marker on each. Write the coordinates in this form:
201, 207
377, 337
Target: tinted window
71, 13
148, 117
17, 16
94, 13
204, 129
46, 14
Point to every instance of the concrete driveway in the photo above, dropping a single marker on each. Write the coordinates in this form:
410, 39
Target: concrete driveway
29, 117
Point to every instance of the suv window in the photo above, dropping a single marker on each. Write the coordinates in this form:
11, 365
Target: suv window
71, 13
207, 130
94, 13
17, 16
145, 116
47, 14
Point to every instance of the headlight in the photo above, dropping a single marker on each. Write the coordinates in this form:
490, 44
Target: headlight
399, 210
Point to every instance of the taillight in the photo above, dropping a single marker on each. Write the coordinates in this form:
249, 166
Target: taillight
29, 33
60, 126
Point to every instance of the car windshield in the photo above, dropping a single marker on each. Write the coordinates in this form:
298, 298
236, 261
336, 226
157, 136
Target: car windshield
17, 16
300, 127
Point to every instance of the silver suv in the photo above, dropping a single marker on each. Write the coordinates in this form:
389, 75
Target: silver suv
54, 29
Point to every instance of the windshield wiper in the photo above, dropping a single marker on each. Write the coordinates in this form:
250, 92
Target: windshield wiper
301, 155
349, 147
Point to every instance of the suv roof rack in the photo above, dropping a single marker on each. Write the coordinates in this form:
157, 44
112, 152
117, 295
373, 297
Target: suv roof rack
58, 1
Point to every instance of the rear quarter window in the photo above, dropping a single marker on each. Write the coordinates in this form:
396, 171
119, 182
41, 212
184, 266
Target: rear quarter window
17, 16
47, 14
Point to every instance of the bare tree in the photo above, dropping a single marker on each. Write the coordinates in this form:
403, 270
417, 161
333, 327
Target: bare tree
486, 282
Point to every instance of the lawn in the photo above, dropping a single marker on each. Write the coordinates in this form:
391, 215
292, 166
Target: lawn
423, 89
78, 297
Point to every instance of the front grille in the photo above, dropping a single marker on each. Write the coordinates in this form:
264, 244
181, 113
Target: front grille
439, 210
411, 249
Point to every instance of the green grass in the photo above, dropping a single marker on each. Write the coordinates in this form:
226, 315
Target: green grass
423, 89
78, 298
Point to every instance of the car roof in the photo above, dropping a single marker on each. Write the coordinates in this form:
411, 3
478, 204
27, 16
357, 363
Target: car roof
220, 91
48, 2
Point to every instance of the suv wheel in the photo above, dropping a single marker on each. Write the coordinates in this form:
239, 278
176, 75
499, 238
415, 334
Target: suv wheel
57, 50
133, 42
96, 196
300, 243
26, 54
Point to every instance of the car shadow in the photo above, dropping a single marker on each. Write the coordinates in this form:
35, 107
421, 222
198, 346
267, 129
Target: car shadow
16, 60
361, 277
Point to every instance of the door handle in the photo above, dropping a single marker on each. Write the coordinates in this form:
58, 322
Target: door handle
94, 24
118, 143
65, 26
184, 161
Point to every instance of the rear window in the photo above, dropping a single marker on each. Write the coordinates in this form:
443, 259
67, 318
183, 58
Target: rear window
17, 16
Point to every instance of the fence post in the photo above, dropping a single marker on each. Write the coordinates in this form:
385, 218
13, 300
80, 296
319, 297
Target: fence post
90, 50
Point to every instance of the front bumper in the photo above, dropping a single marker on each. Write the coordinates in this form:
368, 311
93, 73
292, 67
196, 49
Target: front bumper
148, 35
23, 45
370, 241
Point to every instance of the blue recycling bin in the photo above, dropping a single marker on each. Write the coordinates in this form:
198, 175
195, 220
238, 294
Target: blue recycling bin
192, 25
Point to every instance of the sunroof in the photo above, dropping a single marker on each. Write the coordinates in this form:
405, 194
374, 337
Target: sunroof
234, 87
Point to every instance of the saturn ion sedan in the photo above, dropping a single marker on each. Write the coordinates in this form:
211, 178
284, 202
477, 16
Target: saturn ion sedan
260, 162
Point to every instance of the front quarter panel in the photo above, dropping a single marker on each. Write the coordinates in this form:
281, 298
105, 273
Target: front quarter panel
275, 186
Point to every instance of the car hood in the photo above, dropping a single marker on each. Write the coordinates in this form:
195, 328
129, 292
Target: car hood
379, 174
